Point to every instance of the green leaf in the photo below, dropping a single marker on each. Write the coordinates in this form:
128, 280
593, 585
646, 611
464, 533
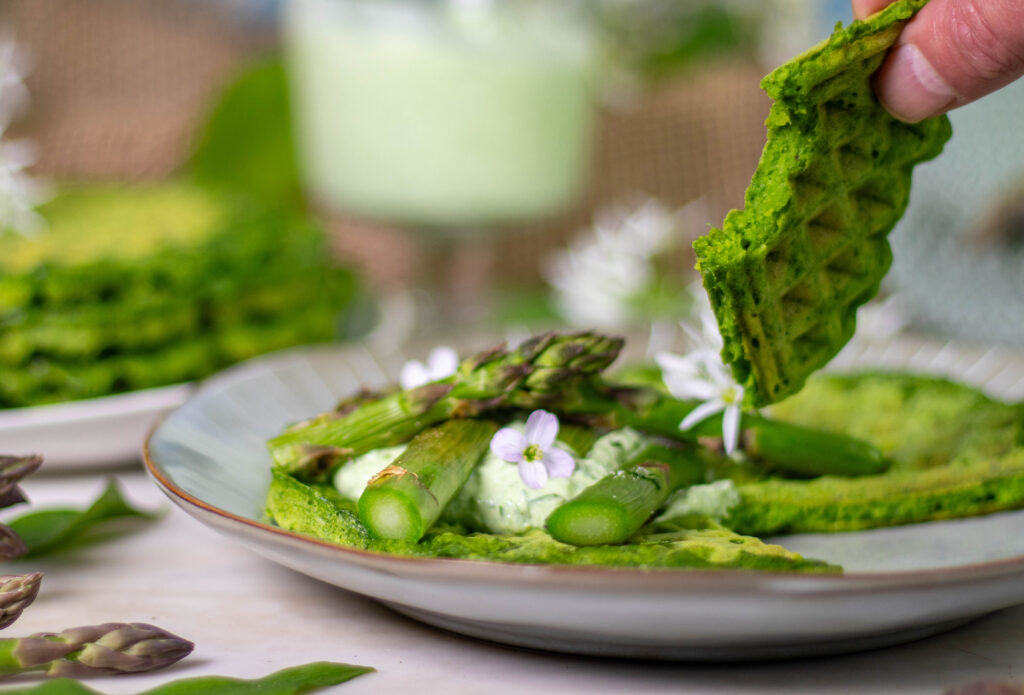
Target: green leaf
48, 530
289, 681
246, 145
57, 686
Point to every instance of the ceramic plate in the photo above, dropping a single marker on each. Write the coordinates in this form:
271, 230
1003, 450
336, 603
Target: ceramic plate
901, 583
88, 433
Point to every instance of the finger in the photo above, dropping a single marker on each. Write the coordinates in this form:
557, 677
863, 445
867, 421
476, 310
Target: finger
951, 53
862, 9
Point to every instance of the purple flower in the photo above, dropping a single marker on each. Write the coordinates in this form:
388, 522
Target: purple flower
533, 449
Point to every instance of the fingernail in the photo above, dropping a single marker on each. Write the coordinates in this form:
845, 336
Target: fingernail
910, 88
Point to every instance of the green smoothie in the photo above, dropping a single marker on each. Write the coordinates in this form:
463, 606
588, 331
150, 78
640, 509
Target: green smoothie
440, 114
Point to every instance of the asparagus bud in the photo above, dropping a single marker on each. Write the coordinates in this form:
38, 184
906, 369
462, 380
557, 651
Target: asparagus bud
93, 650
11, 545
12, 470
17, 591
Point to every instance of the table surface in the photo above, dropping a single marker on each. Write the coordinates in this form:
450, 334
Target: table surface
250, 617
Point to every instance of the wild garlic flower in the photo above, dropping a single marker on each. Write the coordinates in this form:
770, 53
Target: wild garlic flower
534, 451
441, 363
701, 375
13, 93
19, 192
600, 277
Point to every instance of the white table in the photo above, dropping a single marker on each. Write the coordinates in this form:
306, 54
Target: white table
249, 617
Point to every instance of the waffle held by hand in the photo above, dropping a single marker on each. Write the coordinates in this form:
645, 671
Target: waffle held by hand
786, 274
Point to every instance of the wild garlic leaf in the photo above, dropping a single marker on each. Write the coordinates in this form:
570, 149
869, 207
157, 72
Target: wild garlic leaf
48, 530
246, 144
289, 681
57, 686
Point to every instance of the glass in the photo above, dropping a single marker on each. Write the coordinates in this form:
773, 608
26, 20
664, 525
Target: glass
441, 114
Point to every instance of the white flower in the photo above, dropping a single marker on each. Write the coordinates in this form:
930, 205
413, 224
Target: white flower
442, 363
599, 277
533, 449
13, 94
701, 375
19, 192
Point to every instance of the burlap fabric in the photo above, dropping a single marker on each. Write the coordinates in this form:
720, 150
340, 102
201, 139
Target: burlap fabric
118, 86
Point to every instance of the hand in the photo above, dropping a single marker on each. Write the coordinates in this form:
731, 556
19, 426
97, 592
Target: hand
951, 53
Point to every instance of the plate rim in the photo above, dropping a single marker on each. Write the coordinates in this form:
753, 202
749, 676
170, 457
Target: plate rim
101, 407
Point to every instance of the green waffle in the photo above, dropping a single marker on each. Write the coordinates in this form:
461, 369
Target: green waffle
142, 286
786, 274
49, 380
89, 332
954, 453
83, 332
108, 243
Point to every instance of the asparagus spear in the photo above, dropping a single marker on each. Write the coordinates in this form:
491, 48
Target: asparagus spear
615, 507
93, 650
17, 591
785, 446
406, 498
557, 373
534, 372
12, 470
11, 544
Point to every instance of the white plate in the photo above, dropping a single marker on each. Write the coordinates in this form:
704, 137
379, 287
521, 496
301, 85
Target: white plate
903, 583
88, 433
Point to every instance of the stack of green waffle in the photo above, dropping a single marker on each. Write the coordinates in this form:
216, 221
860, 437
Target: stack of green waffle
131, 288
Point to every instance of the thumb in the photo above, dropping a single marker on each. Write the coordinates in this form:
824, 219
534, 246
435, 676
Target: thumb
951, 53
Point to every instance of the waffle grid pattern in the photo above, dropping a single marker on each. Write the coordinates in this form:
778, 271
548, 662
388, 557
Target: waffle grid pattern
787, 273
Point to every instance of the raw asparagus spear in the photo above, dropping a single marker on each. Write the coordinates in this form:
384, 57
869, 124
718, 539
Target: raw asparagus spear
406, 498
784, 446
615, 507
17, 591
12, 470
93, 650
11, 544
534, 372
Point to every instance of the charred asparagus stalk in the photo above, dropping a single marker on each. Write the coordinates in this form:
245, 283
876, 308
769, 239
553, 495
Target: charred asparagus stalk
17, 591
615, 507
557, 373
93, 650
406, 498
534, 372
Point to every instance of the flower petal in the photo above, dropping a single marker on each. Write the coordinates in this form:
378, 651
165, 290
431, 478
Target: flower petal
560, 464
701, 413
414, 373
442, 362
541, 428
533, 474
508, 444
731, 429
671, 362
691, 388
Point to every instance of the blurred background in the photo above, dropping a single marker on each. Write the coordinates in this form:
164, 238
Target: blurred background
498, 165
